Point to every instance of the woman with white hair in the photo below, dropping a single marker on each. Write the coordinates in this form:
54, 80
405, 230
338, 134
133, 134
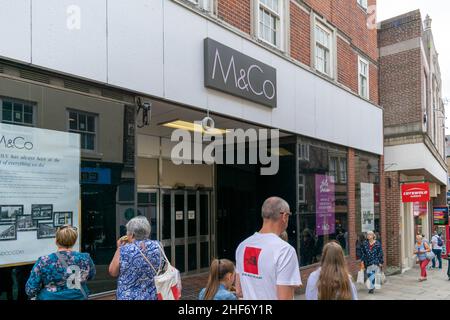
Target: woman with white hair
136, 261
371, 258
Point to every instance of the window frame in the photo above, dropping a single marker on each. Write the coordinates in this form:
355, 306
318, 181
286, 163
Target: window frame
363, 4
96, 127
366, 62
325, 27
205, 5
303, 151
303, 186
23, 102
280, 19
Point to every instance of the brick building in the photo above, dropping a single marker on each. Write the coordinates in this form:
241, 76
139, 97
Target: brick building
414, 129
320, 58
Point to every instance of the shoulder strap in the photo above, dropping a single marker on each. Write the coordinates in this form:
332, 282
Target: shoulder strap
66, 266
146, 259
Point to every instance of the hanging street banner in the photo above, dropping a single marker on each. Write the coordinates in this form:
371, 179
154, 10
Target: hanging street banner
367, 207
415, 192
39, 190
325, 205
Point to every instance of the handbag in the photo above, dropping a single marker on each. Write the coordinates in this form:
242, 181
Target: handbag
168, 282
430, 255
383, 278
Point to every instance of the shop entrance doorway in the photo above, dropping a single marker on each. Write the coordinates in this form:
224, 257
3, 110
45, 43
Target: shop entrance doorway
186, 229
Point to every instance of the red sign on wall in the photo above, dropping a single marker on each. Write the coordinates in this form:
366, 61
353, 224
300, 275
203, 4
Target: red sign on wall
416, 192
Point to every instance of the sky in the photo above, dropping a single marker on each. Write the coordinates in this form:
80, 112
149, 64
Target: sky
439, 11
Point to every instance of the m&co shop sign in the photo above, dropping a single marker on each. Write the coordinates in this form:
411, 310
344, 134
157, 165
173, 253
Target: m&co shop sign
416, 192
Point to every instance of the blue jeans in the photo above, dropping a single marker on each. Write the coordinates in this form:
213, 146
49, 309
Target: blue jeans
437, 252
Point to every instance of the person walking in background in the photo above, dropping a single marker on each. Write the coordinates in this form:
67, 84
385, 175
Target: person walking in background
332, 281
421, 249
221, 278
284, 236
267, 267
359, 242
436, 246
136, 262
61, 275
371, 258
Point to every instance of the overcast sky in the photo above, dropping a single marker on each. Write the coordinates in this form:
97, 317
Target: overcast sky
439, 11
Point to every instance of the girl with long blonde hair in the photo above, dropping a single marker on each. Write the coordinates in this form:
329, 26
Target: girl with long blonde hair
221, 279
331, 281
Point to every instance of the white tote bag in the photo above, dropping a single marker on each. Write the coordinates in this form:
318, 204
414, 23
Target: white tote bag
360, 278
378, 280
167, 283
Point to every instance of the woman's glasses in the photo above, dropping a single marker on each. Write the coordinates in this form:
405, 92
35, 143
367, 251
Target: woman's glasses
67, 226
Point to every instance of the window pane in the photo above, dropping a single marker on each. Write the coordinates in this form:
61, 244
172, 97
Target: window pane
83, 141
28, 118
7, 115
82, 122
91, 124
90, 143
73, 125
7, 105
28, 109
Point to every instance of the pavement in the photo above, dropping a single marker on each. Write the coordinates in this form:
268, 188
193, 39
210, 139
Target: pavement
406, 286
403, 286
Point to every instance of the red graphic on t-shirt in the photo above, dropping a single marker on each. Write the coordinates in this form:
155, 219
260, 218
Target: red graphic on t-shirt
251, 256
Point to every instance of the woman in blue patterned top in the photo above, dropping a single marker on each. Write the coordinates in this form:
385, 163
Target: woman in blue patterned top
61, 275
371, 258
135, 280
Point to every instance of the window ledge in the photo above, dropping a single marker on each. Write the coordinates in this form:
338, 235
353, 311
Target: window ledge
91, 154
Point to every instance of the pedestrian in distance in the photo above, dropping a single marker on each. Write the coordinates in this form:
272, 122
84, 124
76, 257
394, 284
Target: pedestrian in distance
421, 249
436, 246
221, 279
371, 258
63, 274
267, 267
284, 236
359, 242
332, 281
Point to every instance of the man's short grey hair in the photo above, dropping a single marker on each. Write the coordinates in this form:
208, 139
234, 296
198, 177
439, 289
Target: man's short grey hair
139, 228
272, 208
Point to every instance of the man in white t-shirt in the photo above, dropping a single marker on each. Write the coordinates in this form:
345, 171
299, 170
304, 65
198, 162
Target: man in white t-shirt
266, 266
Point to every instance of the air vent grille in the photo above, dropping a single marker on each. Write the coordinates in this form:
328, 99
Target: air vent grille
34, 76
76, 86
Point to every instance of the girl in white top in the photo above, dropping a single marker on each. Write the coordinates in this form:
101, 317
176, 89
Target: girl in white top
332, 280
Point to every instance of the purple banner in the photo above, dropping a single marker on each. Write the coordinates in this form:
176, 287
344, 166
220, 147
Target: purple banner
325, 205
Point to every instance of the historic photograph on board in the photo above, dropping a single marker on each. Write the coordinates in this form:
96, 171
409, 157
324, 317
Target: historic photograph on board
8, 232
8, 213
63, 218
42, 211
46, 230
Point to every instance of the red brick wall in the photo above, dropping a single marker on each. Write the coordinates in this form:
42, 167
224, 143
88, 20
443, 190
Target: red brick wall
236, 13
300, 35
373, 84
393, 241
405, 27
347, 65
351, 19
400, 87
